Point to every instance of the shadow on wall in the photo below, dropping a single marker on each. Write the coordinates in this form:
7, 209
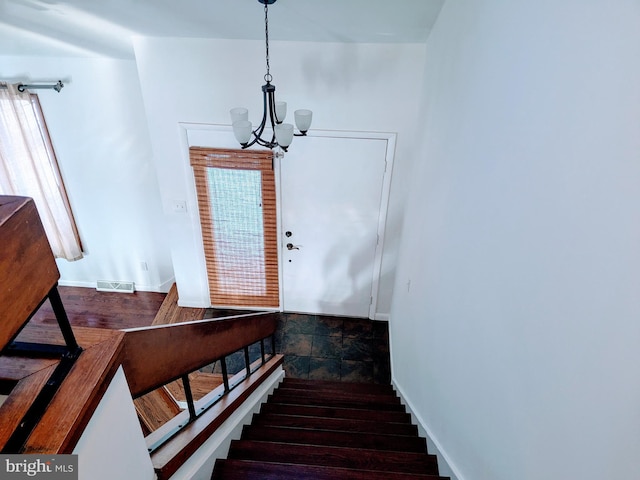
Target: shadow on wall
347, 69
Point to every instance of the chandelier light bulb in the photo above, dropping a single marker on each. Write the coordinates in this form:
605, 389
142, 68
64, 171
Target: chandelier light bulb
281, 111
284, 134
242, 130
238, 114
303, 119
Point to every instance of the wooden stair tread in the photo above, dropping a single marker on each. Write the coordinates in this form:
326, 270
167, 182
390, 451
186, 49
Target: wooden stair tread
343, 400
323, 430
328, 385
248, 470
156, 408
170, 312
342, 457
364, 397
336, 412
201, 384
339, 439
334, 424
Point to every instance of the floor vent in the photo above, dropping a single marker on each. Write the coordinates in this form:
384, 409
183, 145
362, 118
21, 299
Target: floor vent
109, 286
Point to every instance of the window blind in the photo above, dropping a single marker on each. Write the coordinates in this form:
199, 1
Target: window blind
237, 205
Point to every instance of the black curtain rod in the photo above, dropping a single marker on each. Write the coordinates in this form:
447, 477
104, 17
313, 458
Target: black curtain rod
23, 86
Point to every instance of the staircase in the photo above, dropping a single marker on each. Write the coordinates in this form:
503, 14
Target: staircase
318, 430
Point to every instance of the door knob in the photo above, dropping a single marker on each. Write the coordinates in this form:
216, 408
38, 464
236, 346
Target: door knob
291, 246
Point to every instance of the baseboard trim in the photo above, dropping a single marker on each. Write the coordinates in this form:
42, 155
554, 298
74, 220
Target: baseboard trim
162, 288
446, 466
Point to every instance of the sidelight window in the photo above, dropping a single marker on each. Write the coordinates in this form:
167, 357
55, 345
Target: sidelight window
237, 205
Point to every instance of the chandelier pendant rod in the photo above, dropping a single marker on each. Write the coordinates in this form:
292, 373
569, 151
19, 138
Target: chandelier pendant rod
268, 95
272, 112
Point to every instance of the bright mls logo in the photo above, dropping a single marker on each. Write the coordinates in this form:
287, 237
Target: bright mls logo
51, 467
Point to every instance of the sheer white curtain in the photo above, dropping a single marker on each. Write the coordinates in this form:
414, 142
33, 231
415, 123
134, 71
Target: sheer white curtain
28, 167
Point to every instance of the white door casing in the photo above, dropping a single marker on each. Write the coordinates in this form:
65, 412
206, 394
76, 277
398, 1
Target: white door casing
343, 270
333, 196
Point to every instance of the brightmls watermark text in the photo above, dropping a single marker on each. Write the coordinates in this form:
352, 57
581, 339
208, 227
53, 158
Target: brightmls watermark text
51, 467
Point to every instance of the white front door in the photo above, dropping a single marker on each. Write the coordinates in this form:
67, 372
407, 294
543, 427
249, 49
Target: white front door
332, 209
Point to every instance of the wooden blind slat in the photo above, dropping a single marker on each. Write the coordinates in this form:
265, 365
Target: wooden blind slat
255, 283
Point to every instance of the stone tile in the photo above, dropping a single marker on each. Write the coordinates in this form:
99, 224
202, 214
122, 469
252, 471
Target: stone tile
382, 373
357, 349
380, 329
255, 352
324, 369
380, 348
208, 368
297, 344
235, 363
329, 326
326, 347
300, 323
333, 348
355, 371
296, 367
278, 339
357, 327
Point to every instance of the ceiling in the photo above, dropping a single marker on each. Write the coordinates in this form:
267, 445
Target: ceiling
105, 27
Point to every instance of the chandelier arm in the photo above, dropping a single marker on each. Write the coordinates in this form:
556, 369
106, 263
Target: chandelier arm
272, 106
268, 99
258, 131
268, 104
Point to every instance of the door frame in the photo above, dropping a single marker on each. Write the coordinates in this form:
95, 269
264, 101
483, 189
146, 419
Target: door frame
195, 130
390, 139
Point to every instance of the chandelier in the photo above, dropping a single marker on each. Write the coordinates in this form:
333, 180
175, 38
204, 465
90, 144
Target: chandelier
273, 112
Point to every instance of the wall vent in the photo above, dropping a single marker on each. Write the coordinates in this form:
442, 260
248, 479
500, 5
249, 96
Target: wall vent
110, 286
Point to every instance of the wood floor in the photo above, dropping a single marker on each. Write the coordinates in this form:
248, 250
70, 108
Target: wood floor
315, 346
86, 307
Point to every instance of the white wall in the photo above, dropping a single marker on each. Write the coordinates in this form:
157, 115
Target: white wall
351, 87
98, 127
112, 445
514, 322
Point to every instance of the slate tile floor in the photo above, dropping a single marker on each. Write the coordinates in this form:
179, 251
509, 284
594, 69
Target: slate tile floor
334, 348
327, 348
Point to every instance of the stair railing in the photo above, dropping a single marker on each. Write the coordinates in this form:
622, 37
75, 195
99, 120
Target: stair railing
155, 356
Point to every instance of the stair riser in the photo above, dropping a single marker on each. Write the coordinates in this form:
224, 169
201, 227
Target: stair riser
333, 412
399, 462
242, 470
337, 439
338, 386
354, 397
311, 430
328, 401
344, 425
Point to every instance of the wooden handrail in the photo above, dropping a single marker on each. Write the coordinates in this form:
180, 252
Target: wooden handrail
150, 357
26, 260
65, 418
154, 356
